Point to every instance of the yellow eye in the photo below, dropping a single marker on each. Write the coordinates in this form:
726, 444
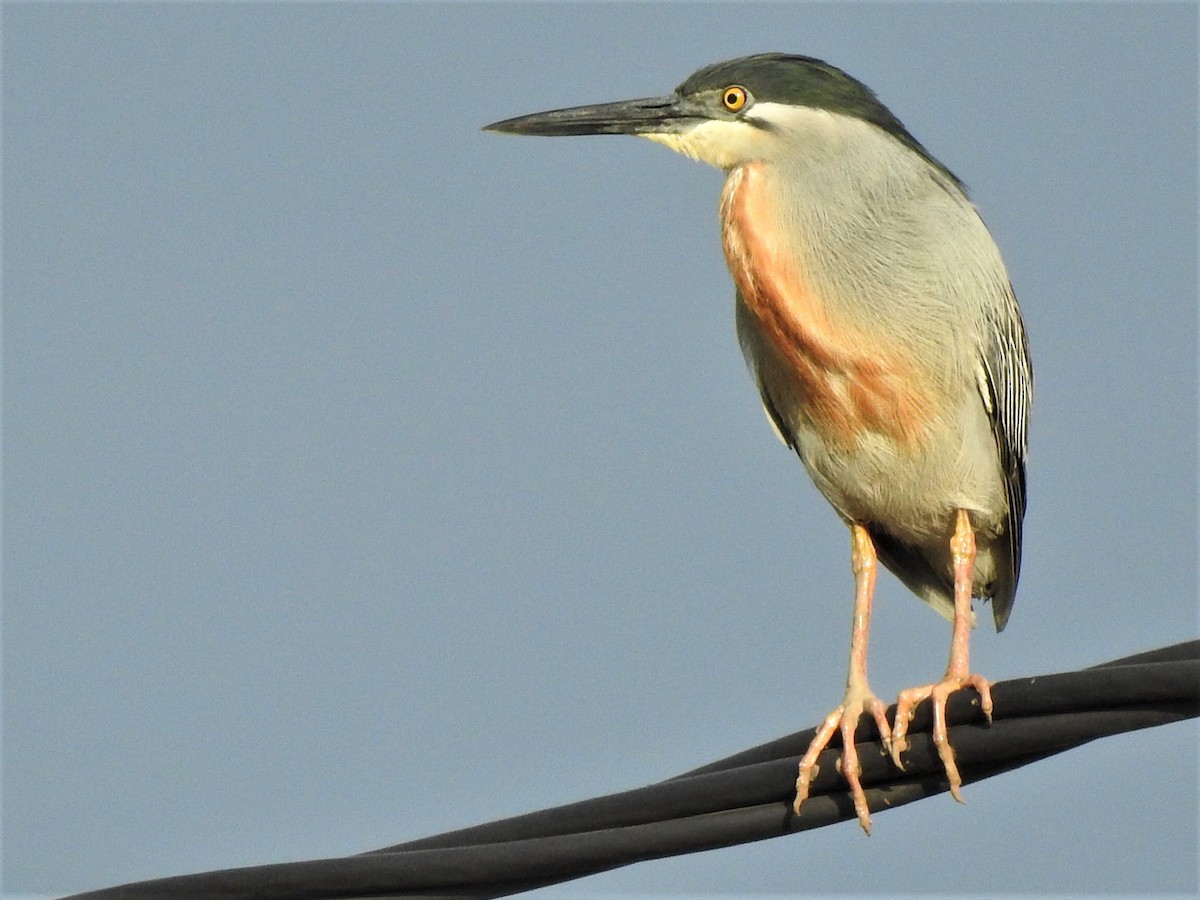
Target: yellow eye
734, 97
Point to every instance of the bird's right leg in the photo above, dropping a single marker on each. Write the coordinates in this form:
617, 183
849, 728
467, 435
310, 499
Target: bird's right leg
859, 698
958, 672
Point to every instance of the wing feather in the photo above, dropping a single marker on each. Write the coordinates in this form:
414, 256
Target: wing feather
1006, 388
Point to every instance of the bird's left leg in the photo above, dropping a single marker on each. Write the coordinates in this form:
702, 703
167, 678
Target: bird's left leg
859, 698
958, 672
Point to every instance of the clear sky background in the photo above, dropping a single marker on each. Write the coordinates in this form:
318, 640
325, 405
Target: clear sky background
368, 476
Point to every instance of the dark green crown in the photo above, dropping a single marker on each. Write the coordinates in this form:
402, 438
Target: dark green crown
805, 81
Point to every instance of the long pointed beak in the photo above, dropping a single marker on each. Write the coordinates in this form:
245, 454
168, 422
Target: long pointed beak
652, 115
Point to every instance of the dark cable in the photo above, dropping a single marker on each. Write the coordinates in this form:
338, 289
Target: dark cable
742, 798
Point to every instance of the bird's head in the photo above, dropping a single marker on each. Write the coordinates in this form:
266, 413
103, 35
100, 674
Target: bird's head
769, 107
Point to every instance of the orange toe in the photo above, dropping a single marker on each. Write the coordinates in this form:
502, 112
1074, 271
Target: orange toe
844, 719
938, 693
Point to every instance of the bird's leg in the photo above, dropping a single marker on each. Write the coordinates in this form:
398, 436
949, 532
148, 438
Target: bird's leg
958, 672
859, 698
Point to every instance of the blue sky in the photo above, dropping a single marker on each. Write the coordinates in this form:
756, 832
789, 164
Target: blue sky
368, 476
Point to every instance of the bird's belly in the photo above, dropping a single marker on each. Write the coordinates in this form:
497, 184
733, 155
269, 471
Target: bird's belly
913, 494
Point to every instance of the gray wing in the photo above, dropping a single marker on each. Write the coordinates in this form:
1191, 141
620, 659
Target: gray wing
754, 352
1006, 387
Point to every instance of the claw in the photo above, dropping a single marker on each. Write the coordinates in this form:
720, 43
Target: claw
938, 694
845, 720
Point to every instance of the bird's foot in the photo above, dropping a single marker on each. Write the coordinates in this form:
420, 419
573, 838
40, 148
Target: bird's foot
844, 719
937, 694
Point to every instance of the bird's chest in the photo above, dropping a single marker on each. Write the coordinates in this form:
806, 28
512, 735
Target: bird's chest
818, 369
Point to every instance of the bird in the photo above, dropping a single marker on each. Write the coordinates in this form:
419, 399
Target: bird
880, 326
